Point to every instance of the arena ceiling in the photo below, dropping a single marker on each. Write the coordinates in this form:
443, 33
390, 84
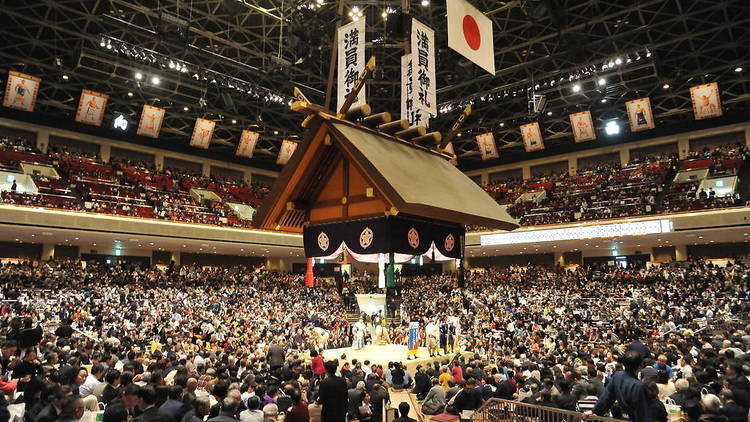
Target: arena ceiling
243, 57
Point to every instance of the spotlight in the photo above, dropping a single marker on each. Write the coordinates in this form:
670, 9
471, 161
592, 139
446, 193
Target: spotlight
384, 14
648, 54
155, 80
502, 124
109, 46
234, 122
65, 77
186, 108
738, 69
612, 128
577, 88
618, 61
425, 3
604, 100
171, 64
355, 9
665, 86
130, 94
611, 64
602, 81
275, 132
102, 43
549, 113
139, 75
184, 69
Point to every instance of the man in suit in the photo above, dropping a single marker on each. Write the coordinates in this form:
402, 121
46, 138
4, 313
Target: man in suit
147, 404
174, 406
275, 356
421, 383
228, 409
56, 397
72, 409
333, 395
112, 389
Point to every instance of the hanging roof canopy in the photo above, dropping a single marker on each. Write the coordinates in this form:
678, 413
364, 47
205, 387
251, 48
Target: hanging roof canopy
344, 171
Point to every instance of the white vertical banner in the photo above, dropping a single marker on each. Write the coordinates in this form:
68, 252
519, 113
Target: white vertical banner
415, 116
423, 72
487, 146
351, 54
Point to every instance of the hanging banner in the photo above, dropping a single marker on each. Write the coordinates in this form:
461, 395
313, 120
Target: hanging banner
639, 114
470, 34
413, 338
415, 116
706, 101
248, 140
91, 107
487, 146
151, 121
583, 126
202, 133
449, 149
351, 61
423, 73
286, 151
532, 137
21, 91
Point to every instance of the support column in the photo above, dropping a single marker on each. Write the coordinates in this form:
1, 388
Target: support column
48, 251
624, 157
683, 146
105, 150
248, 177
159, 161
42, 141
206, 169
559, 259
526, 172
572, 166
309, 278
680, 253
485, 178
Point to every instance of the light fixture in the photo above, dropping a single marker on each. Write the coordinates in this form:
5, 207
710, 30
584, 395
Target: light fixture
171, 64
425, 3
577, 88
502, 124
738, 69
604, 100
102, 43
65, 77
602, 81
549, 113
612, 127
618, 61
275, 132
186, 108
665, 86
155, 80
138, 76
234, 122
130, 94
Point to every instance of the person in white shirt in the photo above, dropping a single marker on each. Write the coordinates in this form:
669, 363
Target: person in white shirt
92, 380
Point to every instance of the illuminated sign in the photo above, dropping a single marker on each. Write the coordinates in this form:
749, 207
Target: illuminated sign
579, 233
120, 123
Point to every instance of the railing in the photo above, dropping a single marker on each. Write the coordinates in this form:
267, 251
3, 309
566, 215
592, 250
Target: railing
499, 410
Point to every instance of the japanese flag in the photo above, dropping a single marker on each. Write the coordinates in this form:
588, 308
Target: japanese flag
470, 34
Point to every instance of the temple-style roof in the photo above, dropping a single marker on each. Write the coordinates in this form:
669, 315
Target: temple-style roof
345, 171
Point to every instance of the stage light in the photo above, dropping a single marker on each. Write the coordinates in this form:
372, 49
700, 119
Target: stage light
355, 9
275, 132
138, 76
602, 81
65, 77
611, 64
186, 108
577, 88
102, 43
618, 61
171, 64
604, 100
549, 113
155, 80
738, 69
612, 127
130, 94
109, 46
648, 53
184, 69
234, 122
502, 124
665, 86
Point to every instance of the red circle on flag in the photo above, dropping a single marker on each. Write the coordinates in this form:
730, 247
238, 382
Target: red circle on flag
471, 32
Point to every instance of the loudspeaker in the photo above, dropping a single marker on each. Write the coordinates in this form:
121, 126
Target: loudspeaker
398, 26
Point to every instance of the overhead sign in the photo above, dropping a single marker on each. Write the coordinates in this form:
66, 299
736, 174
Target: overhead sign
351, 61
